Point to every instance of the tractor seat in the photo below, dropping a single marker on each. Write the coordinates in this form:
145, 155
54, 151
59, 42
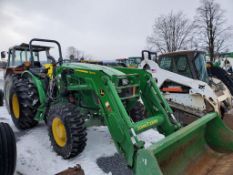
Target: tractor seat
37, 64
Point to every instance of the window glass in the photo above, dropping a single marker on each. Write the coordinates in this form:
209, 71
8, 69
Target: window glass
17, 58
182, 66
201, 67
166, 63
43, 57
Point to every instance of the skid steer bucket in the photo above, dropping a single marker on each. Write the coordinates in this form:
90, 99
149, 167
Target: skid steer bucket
201, 148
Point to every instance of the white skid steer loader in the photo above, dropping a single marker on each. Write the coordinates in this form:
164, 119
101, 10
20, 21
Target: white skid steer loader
183, 78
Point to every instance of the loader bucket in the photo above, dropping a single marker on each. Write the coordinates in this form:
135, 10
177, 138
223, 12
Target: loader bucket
201, 148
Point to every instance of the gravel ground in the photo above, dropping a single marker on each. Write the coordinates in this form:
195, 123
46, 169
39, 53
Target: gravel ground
115, 164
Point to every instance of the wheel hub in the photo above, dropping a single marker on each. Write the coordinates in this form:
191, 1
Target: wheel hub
15, 106
59, 132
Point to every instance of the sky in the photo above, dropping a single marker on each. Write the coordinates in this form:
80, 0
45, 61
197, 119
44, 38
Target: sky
104, 29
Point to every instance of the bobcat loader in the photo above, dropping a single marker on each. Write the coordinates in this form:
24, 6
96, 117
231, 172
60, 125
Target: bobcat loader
183, 79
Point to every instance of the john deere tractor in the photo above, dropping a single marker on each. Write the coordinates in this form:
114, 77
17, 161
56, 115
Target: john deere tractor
79, 94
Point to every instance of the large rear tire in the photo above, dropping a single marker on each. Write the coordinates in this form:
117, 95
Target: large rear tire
7, 150
24, 102
66, 130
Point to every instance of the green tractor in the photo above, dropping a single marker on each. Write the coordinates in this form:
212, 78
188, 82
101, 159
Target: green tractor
78, 95
7, 150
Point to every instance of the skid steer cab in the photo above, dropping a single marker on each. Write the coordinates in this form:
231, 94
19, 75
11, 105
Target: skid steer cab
128, 102
20, 60
183, 78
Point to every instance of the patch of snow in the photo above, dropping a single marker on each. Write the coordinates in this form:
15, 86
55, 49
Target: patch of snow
150, 136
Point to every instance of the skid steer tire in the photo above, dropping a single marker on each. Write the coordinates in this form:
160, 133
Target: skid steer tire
24, 102
137, 113
7, 150
1, 98
66, 130
223, 76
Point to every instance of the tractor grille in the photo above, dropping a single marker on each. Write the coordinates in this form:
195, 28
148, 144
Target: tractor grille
127, 86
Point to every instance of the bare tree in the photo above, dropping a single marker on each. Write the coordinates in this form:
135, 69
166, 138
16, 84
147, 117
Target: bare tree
171, 32
74, 53
71, 52
210, 22
77, 55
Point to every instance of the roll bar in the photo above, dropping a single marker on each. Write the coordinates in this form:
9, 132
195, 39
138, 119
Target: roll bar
47, 41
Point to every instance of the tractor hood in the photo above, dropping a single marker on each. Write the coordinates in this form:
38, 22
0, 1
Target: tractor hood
85, 67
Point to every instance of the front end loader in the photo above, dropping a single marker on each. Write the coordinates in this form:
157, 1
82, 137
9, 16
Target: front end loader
80, 93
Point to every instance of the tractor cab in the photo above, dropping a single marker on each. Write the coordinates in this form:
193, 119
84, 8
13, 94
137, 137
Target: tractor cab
190, 64
20, 59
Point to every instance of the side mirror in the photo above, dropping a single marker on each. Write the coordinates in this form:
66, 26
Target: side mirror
3, 55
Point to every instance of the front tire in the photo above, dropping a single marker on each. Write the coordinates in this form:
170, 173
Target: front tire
24, 102
66, 130
7, 150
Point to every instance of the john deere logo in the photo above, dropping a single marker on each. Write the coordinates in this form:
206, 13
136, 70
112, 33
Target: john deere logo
101, 92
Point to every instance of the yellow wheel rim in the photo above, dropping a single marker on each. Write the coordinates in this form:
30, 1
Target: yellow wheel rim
15, 106
59, 132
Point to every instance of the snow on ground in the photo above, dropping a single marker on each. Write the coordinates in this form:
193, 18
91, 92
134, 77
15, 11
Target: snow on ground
36, 156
